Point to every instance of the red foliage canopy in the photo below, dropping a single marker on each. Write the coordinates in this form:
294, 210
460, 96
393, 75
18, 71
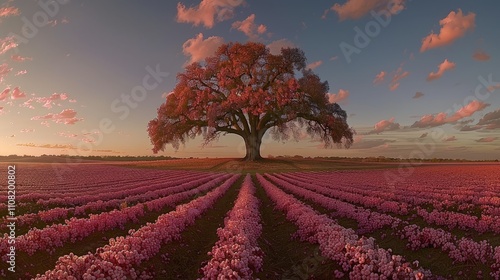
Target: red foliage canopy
246, 90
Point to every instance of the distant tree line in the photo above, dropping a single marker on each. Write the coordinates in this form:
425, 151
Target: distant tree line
103, 158
45, 157
381, 159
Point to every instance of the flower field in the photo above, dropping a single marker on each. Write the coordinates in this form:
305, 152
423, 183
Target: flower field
102, 221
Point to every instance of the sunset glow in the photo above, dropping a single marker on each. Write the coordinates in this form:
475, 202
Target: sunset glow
86, 77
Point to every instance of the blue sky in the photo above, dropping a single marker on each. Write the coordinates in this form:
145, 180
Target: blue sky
64, 83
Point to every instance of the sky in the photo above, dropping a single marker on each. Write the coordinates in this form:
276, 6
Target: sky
418, 79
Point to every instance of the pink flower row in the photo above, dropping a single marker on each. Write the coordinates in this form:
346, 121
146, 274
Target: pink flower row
130, 188
42, 181
367, 199
491, 210
237, 254
77, 228
368, 221
118, 259
91, 193
365, 183
89, 178
131, 195
447, 218
495, 273
459, 250
360, 256
470, 184
463, 221
462, 250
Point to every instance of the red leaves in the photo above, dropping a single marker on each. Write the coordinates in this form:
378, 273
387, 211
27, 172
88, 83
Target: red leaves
244, 89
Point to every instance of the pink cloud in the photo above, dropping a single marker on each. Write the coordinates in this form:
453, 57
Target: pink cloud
453, 26
261, 29
27, 103
481, 56
67, 135
338, 97
356, 9
25, 130
314, 65
21, 72
487, 139
358, 138
4, 71
207, 12
493, 87
276, 46
446, 65
468, 110
18, 58
6, 44
5, 94
9, 11
397, 76
49, 116
385, 125
17, 94
88, 140
249, 27
49, 101
198, 49
443, 118
67, 116
379, 78
450, 139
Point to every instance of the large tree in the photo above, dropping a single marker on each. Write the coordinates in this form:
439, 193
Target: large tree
245, 90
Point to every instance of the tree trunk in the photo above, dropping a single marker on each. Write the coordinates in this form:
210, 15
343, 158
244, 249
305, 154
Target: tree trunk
252, 144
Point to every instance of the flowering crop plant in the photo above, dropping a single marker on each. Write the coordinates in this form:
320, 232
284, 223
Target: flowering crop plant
122, 222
